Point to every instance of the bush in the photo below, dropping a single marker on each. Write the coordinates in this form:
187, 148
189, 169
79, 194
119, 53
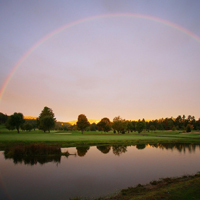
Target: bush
189, 128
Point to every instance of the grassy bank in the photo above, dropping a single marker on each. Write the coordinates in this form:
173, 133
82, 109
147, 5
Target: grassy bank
75, 138
186, 187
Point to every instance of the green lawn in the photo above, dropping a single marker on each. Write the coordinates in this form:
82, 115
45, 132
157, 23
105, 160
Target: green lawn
8, 138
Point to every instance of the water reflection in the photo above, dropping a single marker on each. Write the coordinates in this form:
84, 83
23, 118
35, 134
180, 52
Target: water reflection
33, 160
33, 154
119, 149
104, 149
140, 146
102, 170
180, 147
81, 151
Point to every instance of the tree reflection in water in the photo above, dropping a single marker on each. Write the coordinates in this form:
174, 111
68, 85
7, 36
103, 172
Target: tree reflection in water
34, 153
33, 160
104, 149
119, 149
81, 151
178, 146
40, 153
140, 146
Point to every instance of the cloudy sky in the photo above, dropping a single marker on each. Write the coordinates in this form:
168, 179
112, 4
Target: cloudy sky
101, 58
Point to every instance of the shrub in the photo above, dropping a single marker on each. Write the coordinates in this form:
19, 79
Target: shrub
189, 128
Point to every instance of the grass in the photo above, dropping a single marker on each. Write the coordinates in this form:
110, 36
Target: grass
10, 138
184, 188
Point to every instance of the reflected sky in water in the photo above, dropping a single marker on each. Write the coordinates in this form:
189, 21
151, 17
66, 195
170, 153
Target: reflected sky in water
94, 173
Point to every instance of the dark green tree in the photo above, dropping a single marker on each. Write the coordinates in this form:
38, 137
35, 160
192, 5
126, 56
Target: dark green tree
197, 124
119, 125
152, 128
130, 126
47, 112
15, 121
93, 127
47, 123
46, 120
3, 118
189, 128
140, 126
28, 126
82, 122
32, 122
9, 126
104, 125
134, 125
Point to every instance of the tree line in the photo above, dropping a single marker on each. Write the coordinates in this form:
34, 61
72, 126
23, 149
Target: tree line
46, 121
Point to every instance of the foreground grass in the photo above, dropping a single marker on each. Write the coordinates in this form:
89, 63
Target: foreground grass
184, 188
91, 138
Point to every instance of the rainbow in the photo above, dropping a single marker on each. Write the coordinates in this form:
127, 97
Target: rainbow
75, 23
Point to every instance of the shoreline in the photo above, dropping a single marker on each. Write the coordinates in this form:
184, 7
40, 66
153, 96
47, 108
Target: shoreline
184, 188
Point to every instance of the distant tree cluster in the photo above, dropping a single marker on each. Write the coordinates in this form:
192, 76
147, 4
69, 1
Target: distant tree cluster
179, 123
119, 125
47, 121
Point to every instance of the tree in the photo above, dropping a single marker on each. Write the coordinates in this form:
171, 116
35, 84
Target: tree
140, 126
198, 124
104, 125
93, 127
119, 124
28, 126
152, 128
47, 123
3, 118
9, 126
189, 128
47, 112
82, 122
130, 126
46, 119
32, 122
179, 122
15, 121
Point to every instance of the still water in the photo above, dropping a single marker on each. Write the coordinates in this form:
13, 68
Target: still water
94, 171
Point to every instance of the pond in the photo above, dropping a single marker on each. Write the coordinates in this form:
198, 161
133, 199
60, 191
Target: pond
93, 171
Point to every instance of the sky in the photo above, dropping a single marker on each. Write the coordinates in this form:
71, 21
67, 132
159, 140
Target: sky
102, 58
